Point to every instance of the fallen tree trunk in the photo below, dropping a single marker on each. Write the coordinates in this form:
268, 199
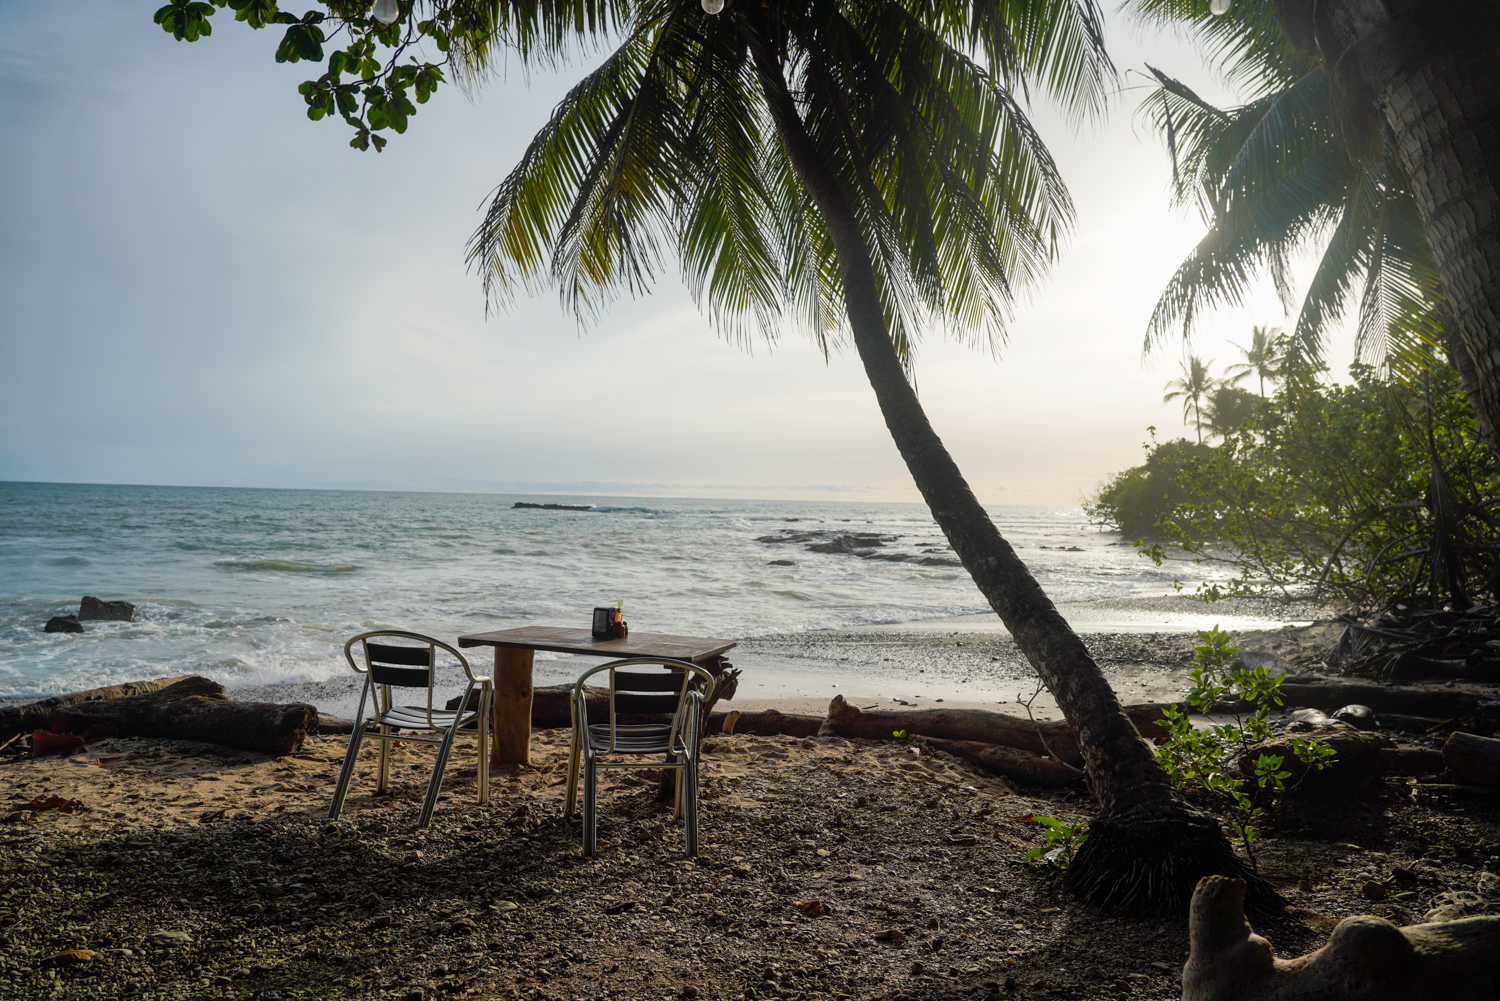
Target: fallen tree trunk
550, 704
1472, 760
38, 715
1011, 762
194, 708
1411, 760
766, 723
1409, 700
1366, 958
1041, 737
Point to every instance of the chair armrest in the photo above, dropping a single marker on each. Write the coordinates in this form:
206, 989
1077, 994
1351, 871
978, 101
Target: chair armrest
467, 669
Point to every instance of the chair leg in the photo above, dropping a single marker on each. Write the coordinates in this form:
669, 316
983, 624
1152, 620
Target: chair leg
689, 780
435, 784
575, 754
341, 789
383, 780
484, 750
677, 777
590, 807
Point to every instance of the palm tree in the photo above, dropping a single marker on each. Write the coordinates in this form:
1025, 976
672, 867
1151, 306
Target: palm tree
1228, 409
1192, 389
1260, 357
1365, 158
852, 163
865, 170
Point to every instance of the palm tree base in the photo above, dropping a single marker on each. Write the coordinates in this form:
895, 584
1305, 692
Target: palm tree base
1149, 863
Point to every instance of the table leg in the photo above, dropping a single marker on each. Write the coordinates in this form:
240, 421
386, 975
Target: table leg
512, 714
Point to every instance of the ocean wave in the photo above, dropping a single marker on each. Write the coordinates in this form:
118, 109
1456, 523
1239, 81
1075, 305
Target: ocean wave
287, 566
71, 561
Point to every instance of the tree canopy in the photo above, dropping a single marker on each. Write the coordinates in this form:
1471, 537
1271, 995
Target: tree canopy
1277, 175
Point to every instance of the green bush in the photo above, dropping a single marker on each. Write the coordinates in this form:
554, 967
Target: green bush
1133, 501
1365, 492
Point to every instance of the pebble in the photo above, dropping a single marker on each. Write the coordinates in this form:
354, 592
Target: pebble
1372, 891
1489, 884
165, 938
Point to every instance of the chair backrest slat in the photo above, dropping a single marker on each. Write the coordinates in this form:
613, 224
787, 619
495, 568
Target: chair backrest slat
625, 702
406, 656
650, 681
400, 666
400, 677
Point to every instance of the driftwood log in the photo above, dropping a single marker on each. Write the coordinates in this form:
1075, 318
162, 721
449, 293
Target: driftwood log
192, 708
1366, 958
1011, 762
1473, 760
38, 715
979, 725
549, 709
1410, 700
766, 723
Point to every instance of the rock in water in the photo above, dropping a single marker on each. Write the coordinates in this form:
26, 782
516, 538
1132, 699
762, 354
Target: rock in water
106, 611
63, 624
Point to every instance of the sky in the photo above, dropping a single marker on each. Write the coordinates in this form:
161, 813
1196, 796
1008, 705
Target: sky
199, 286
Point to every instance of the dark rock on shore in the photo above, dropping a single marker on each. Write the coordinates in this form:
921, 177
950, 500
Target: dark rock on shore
92, 609
63, 624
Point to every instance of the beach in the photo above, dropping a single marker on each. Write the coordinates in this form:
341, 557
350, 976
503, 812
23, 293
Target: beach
829, 868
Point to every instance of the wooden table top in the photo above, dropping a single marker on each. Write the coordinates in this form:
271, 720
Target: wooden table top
560, 639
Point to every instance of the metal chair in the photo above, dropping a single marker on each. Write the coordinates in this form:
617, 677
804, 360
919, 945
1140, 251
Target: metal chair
389, 665
677, 687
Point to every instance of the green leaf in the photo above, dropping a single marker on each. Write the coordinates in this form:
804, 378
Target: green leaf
301, 41
256, 13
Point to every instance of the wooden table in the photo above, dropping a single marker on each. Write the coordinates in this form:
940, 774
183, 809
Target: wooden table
515, 651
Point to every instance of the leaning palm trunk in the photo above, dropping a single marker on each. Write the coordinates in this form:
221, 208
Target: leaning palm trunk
1146, 850
1433, 72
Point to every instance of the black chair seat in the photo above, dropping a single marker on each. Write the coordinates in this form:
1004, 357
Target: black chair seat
415, 718
650, 738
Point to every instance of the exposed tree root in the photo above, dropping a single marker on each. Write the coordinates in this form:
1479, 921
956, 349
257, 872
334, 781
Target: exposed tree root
1149, 864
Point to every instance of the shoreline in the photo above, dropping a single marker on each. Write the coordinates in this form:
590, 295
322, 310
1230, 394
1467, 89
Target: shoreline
1143, 644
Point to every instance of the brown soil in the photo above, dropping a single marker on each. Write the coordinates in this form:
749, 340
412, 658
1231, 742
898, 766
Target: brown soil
829, 869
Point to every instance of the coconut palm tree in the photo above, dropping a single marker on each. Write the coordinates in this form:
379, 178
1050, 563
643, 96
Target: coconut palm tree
1192, 389
1260, 358
1365, 161
864, 170
1228, 409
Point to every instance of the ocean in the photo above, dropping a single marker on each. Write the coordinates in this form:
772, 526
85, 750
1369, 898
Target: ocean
261, 587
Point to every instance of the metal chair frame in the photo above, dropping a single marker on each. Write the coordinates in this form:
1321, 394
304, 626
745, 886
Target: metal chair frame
678, 740
411, 667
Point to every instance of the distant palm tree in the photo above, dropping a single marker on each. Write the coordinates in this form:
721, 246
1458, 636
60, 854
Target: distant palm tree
1194, 386
1228, 409
1261, 358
